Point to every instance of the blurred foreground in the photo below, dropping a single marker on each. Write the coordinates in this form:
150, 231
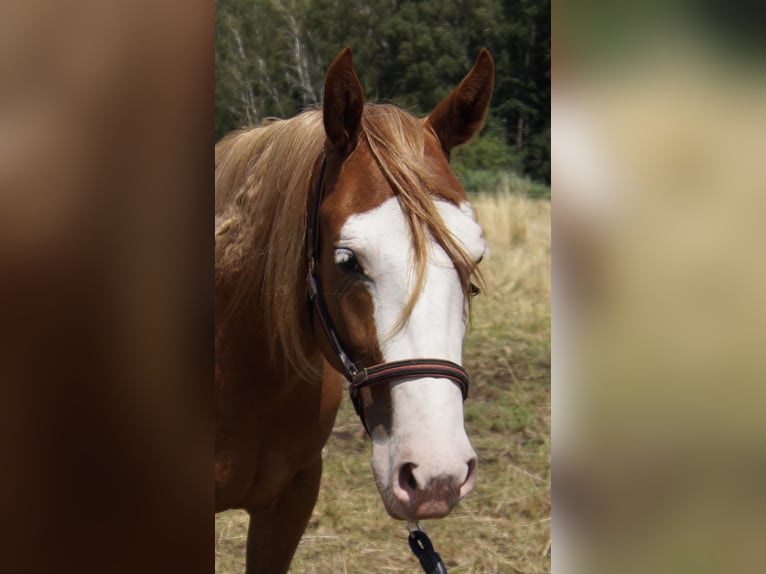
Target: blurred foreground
659, 314
106, 287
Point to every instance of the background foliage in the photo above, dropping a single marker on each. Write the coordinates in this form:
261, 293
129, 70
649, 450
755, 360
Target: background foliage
271, 57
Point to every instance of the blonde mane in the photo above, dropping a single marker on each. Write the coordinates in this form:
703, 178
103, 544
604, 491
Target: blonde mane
263, 177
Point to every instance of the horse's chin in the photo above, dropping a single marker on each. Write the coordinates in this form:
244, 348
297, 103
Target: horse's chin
424, 511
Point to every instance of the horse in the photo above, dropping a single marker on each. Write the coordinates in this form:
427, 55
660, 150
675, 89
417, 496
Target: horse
344, 248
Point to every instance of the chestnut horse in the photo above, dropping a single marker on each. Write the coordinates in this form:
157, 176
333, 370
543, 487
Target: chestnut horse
354, 209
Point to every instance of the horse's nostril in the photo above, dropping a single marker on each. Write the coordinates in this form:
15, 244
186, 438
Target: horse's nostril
407, 478
470, 478
471, 470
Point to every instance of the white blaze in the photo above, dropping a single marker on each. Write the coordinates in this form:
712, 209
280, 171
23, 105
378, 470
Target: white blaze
427, 419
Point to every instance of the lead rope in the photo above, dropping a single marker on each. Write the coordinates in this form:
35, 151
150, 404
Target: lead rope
422, 548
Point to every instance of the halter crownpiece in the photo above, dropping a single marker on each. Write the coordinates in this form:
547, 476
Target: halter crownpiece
376, 374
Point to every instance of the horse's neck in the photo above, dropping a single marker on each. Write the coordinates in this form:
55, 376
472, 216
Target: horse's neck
243, 357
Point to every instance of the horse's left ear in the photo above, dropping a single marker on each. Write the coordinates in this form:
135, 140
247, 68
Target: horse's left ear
343, 103
460, 115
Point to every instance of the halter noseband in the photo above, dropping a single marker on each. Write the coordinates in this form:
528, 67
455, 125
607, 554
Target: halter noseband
380, 373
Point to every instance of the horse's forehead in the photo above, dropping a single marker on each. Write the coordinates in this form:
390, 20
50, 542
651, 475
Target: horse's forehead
383, 232
361, 185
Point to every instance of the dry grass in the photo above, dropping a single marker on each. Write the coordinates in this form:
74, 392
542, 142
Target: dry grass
504, 524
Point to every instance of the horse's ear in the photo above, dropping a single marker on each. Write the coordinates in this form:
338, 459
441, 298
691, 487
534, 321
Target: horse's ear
343, 103
460, 115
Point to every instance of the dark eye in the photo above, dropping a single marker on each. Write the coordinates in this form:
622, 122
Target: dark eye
346, 261
473, 290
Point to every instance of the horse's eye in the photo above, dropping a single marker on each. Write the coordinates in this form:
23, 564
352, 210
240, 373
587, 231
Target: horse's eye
346, 261
473, 290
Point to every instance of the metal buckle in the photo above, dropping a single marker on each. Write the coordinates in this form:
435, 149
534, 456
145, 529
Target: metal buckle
349, 366
413, 526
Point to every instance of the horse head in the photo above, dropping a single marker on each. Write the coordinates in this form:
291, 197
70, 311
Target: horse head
397, 245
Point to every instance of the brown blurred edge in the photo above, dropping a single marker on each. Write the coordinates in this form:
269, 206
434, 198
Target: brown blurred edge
106, 215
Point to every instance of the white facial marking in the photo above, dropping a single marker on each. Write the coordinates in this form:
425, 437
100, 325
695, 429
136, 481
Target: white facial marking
466, 208
427, 414
381, 241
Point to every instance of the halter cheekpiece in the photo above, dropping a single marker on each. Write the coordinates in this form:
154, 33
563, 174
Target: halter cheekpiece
377, 374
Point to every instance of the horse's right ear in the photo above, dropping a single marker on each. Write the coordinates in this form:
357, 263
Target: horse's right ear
343, 103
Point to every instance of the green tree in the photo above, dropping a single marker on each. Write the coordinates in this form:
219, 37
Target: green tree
271, 56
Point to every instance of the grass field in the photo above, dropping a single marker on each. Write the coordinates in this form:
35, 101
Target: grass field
504, 524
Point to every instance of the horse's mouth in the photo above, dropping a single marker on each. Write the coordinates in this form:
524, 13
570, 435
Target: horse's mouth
414, 506
426, 510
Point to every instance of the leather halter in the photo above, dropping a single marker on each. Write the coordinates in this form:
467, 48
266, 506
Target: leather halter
360, 378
